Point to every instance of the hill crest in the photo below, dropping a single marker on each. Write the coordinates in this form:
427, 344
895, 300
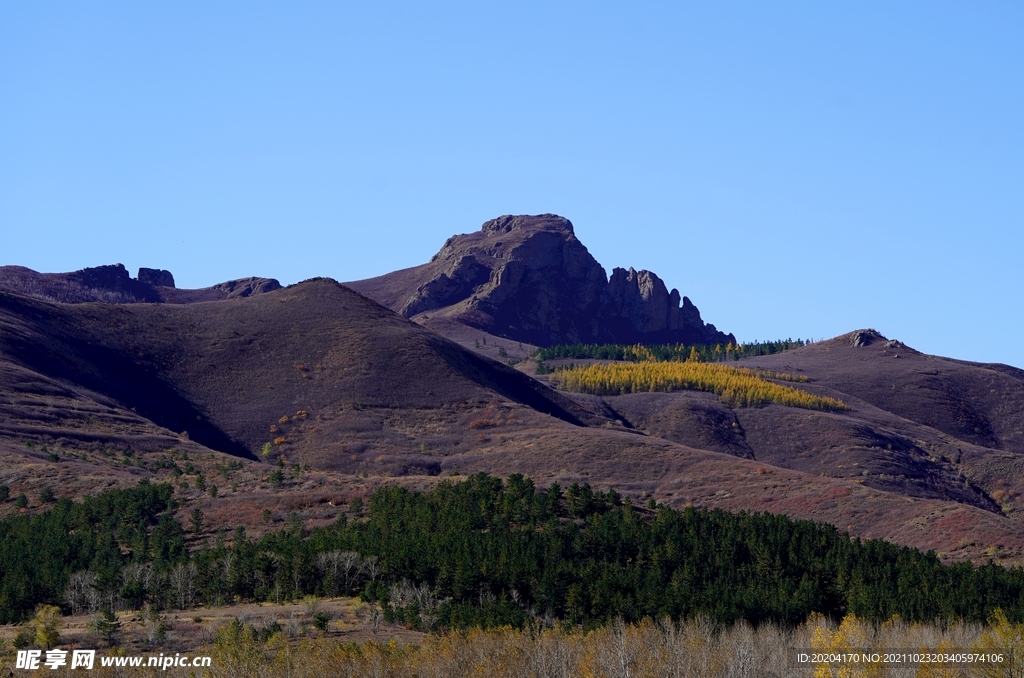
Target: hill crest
114, 284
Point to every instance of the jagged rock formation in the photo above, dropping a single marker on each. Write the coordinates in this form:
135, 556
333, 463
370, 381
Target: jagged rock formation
113, 284
155, 276
530, 279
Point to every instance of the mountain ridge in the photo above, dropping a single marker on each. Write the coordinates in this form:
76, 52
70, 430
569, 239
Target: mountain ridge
113, 284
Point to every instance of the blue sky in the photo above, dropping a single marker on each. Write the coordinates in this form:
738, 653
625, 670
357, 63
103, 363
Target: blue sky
796, 169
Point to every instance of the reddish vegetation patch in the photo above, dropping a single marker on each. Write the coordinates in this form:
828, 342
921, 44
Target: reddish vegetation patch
837, 492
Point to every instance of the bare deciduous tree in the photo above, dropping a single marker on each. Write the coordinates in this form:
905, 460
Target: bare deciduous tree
183, 582
81, 594
350, 565
328, 563
153, 625
136, 572
401, 594
371, 615
618, 652
371, 567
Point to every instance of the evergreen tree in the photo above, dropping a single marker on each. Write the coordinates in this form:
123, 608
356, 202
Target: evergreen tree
107, 625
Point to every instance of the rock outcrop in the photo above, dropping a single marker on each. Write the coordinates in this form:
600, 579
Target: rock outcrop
155, 276
530, 279
246, 287
113, 284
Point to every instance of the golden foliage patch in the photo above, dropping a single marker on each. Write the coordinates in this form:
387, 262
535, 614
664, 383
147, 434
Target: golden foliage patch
735, 386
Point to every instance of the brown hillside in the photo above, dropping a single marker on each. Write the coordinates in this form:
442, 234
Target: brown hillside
312, 367
926, 420
343, 387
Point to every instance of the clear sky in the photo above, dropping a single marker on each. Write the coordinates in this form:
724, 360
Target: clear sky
796, 169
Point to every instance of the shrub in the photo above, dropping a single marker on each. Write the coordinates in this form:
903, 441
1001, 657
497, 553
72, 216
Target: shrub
322, 620
24, 637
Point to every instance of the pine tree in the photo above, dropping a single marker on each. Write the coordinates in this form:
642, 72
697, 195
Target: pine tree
107, 625
196, 520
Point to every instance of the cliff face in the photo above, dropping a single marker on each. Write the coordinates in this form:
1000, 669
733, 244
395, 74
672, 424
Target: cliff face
530, 279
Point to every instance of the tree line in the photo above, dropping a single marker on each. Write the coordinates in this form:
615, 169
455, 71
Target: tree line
483, 552
706, 353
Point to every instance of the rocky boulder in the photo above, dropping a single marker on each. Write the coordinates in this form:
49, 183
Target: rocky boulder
865, 338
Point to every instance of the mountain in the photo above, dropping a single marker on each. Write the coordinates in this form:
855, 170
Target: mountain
528, 278
347, 394
113, 284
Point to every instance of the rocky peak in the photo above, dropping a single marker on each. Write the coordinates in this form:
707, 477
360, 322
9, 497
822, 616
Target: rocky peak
529, 278
871, 337
865, 338
104, 283
642, 298
508, 223
111, 276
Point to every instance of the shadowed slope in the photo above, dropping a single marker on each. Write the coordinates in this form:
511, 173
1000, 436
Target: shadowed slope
227, 372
